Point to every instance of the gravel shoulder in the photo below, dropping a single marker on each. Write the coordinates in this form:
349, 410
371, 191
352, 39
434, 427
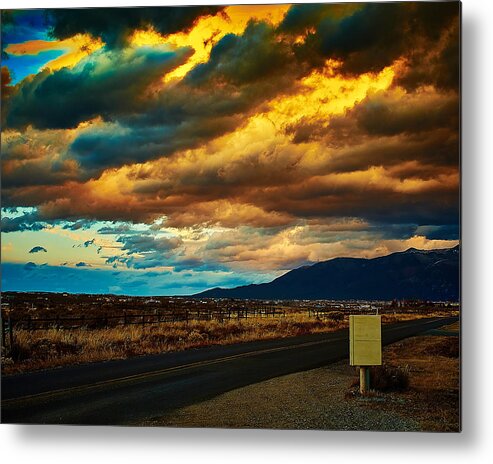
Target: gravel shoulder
322, 399
307, 400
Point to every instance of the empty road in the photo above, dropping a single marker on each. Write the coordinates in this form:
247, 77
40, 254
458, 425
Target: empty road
128, 391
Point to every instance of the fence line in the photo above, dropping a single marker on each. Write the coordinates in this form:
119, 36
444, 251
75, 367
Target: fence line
10, 325
176, 315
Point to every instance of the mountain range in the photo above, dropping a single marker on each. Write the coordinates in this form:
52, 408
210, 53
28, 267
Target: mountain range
432, 275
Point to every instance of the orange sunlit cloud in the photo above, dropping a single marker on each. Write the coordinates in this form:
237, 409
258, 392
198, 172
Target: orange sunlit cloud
257, 154
208, 31
74, 48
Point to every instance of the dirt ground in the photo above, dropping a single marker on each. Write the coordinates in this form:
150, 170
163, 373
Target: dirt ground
327, 398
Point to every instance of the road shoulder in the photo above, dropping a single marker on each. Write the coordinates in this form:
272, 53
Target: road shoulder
322, 398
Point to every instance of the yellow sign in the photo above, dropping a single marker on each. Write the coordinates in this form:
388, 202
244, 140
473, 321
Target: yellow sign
365, 340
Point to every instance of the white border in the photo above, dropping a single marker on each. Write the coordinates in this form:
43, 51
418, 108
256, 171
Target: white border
51, 444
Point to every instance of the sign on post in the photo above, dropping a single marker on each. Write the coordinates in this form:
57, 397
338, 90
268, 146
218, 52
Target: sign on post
365, 340
365, 346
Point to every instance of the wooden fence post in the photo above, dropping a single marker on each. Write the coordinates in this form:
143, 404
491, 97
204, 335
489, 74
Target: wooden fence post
11, 335
3, 333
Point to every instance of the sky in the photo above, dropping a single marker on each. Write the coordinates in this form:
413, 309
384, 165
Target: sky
165, 151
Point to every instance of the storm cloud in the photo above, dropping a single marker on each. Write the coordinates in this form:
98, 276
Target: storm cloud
105, 84
114, 25
368, 37
234, 141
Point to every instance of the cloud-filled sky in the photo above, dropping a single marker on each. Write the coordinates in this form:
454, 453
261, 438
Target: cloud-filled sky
170, 150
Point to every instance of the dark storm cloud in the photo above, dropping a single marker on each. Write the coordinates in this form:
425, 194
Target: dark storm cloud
361, 40
376, 205
43, 171
320, 233
376, 34
140, 127
182, 118
383, 115
33, 157
6, 90
103, 84
34, 221
196, 110
115, 145
112, 85
441, 232
145, 251
412, 137
250, 67
26, 222
254, 55
114, 25
301, 18
38, 249
433, 150
368, 39
35, 172
148, 243
388, 128
438, 66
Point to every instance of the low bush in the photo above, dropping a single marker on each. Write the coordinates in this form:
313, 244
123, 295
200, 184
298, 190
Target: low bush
387, 379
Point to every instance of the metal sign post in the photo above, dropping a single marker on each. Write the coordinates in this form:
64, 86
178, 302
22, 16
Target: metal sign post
365, 346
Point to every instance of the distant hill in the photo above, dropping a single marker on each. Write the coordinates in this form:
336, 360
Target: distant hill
411, 274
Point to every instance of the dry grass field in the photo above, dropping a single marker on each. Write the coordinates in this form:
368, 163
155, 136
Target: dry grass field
42, 349
34, 350
434, 372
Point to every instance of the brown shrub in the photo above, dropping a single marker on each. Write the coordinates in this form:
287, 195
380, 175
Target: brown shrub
386, 378
336, 315
44, 348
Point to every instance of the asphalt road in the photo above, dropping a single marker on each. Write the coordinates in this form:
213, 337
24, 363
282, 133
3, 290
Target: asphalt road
127, 391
